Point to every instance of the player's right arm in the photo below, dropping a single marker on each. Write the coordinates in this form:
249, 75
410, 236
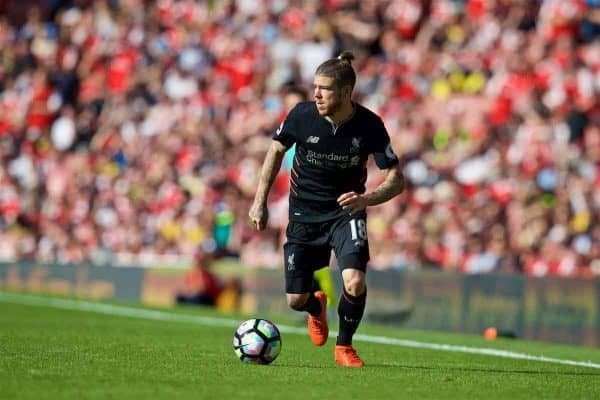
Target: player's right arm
259, 213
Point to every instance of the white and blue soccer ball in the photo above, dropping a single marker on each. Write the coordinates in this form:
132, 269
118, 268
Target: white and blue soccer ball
257, 341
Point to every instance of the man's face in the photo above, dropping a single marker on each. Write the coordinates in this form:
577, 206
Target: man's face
327, 96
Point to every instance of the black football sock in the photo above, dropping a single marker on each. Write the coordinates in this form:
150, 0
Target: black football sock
312, 305
350, 311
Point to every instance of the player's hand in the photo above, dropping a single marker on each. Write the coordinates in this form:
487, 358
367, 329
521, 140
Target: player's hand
258, 216
352, 202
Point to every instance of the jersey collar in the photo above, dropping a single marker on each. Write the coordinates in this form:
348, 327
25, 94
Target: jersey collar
335, 126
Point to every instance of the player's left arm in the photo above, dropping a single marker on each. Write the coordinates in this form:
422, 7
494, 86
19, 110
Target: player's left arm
392, 186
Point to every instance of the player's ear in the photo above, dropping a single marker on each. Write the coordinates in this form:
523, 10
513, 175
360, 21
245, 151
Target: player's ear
346, 91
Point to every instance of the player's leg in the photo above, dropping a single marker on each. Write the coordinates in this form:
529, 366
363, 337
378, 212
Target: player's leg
352, 250
299, 260
351, 308
352, 304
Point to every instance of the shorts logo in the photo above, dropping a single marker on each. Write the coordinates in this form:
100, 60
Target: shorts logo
312, 139
290, 261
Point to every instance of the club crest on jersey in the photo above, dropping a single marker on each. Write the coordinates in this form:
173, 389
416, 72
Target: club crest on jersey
312, 139
355, 145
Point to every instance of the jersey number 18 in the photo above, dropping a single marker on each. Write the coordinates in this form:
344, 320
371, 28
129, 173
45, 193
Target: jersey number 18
358, 228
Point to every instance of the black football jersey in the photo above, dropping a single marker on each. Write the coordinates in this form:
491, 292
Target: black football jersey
330, 160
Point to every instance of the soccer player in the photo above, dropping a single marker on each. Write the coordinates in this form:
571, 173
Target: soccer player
334, 137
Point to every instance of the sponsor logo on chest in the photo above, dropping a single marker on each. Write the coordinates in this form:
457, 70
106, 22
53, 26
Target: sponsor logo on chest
350, 159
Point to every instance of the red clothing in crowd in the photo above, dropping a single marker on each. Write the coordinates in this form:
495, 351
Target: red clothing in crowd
201, 280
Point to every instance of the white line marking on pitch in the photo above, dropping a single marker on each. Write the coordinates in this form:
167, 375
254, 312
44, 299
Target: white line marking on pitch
80, 305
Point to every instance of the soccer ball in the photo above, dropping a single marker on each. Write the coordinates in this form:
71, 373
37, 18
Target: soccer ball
257, 341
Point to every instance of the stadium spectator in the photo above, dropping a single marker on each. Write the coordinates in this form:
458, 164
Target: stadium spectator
200, 285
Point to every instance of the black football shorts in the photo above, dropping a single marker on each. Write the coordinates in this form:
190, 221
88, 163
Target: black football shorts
309, 246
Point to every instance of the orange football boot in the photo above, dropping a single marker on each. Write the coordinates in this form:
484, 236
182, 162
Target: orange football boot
346, 356
318, 330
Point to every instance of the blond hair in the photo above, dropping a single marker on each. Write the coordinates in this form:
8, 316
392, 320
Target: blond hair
340, 69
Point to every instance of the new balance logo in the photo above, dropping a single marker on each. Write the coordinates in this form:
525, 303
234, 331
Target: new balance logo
312, 139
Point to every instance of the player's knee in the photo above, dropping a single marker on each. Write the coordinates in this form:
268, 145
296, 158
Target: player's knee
355, 286
296, 301
354, 281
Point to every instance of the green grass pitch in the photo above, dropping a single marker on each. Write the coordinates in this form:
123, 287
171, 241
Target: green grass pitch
53, 352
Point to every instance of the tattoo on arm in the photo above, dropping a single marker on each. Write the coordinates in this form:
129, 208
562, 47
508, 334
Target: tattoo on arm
270, 168
392, 186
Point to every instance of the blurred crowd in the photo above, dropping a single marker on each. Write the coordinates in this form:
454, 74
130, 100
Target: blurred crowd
133, 131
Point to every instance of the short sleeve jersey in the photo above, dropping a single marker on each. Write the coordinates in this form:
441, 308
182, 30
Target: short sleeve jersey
330, 160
